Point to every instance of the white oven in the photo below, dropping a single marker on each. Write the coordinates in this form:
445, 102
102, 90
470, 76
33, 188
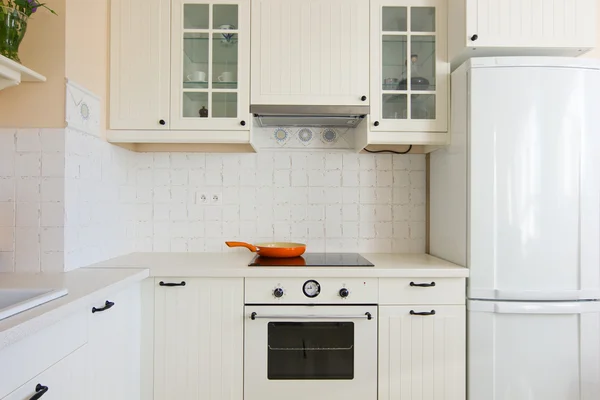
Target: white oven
311, 350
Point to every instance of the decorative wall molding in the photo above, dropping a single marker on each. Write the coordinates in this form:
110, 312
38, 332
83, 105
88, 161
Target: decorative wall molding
82, 109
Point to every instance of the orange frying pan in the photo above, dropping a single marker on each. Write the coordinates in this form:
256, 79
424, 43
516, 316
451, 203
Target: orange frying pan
273, 250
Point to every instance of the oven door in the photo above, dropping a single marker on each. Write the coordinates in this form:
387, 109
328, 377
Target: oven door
310, 352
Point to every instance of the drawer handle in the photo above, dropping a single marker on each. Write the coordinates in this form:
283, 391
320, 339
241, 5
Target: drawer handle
171, 284
432, 284
39, 391
107, 305
425, 313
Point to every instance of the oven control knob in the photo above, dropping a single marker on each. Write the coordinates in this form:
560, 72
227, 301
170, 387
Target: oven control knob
344, 293
278, 292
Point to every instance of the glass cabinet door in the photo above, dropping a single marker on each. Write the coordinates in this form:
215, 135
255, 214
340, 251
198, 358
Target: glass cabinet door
210, 88
408, 95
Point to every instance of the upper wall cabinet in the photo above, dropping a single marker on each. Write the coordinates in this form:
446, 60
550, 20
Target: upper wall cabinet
409, 72
140, 62
310, 52
180, 71
479, 28
210, 69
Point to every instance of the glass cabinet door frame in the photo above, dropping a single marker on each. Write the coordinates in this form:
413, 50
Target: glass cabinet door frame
243, 68
442, 72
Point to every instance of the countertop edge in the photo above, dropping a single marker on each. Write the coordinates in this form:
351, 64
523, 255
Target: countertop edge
57, 311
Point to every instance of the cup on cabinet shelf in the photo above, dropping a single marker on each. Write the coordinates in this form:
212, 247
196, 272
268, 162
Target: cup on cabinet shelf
225, 77
197, 76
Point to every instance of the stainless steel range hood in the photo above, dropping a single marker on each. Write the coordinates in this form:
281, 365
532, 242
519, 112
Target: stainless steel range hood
309, 115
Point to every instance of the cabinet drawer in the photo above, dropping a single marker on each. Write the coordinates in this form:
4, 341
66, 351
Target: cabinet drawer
27, 358
65, 380
422, 291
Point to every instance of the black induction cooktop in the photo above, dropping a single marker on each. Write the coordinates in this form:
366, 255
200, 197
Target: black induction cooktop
314, 260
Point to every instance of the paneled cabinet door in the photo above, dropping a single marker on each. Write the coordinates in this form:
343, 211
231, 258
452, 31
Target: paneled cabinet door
65, 380
422, 353
114, 344
210, 65
199, 340
409, 66
310, 52
529, 23
139, 64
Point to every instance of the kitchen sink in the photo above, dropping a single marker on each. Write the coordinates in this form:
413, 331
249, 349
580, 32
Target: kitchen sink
14, 301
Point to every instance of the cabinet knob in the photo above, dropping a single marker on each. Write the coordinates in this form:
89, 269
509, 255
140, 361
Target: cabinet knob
162, 122
243, 123
474, 37
39, 392
364, 98
376, 123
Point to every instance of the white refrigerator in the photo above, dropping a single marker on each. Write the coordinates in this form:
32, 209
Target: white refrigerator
516, 198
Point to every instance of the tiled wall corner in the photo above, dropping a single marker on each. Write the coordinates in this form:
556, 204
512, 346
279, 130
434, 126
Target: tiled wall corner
31, 200
99, 223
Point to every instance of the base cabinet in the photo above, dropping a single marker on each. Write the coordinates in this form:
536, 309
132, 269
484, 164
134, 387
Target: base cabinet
65, 380
199, 328
114, 345
422, 353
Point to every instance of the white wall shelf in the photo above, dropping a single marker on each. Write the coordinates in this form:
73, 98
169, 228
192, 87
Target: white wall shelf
12, 73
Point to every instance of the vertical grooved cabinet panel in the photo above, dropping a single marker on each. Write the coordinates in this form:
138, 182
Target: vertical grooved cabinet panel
520, 28
531, 23
139, 64
114, 345
199, 339
65, 380
422, 357
310, 52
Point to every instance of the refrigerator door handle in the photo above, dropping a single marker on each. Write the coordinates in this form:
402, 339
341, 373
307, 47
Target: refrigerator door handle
572, 307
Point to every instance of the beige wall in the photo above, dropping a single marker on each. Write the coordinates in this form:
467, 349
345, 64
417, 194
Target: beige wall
87, 46
43, 50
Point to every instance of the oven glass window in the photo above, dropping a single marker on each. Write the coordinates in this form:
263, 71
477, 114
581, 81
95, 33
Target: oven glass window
311, 350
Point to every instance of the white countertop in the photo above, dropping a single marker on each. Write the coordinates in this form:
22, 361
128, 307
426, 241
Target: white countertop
85, 286
235, 264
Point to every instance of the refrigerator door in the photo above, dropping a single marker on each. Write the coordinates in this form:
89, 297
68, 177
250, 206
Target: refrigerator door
531, 351
534, 183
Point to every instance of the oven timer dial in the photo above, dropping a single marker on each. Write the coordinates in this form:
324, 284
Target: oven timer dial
278, 292
311, 288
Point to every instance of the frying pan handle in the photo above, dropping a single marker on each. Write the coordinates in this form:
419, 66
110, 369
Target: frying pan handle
242, 244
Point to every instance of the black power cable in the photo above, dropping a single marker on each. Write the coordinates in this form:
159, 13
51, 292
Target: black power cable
389, 151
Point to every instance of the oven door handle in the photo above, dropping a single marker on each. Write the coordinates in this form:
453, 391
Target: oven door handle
366, 315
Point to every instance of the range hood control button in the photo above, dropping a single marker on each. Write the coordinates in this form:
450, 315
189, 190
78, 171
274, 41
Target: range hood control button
278, 292
344, 293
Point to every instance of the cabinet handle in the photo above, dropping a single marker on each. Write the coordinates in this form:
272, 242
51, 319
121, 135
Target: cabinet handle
243, 123
162, 122
107, 305
432, 284
432, 312
39, 391
171, 284
474, 37
376, 123
364, 98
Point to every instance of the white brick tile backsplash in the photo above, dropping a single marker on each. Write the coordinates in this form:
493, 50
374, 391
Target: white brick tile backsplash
28, 164
28, 214
28, 140
108, 201
52, 189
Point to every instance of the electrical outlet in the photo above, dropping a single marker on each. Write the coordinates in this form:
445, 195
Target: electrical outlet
202, 198
216, 198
